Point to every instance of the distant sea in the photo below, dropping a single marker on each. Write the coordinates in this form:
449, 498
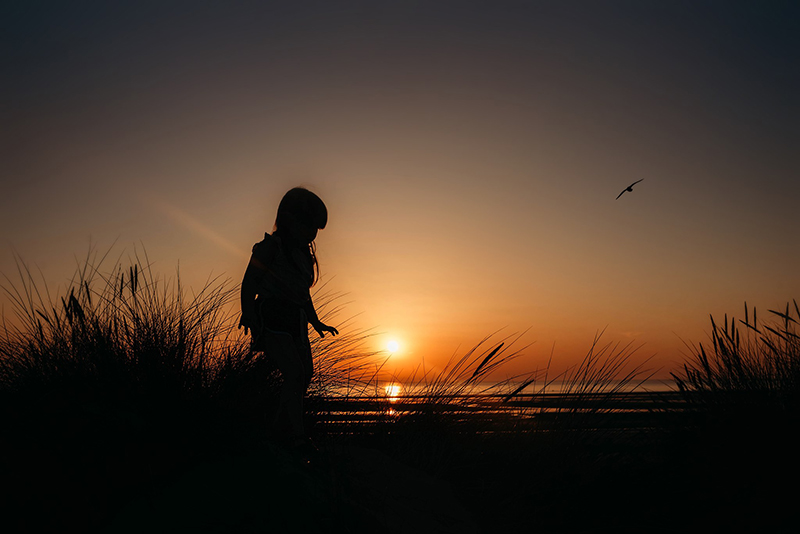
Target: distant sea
397, 388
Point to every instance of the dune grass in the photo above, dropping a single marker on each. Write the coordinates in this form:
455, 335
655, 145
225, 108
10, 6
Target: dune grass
745, 387
125, 331
127, 380
755, 363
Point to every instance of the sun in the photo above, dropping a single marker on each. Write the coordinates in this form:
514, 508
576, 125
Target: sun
393, 346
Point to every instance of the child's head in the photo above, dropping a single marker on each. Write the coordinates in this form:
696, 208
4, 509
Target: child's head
300, 214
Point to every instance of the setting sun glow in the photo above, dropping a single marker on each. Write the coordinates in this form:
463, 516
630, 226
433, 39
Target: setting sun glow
393, 346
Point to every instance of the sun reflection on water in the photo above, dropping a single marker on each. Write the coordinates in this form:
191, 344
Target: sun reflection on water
393, 391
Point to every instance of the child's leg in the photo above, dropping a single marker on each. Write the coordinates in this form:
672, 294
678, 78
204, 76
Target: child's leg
304, 348
282, 349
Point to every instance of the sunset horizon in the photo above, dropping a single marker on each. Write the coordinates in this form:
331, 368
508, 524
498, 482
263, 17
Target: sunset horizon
471, 158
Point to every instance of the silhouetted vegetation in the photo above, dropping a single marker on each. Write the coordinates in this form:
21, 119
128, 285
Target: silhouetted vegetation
124, 383
128, 403
755, 367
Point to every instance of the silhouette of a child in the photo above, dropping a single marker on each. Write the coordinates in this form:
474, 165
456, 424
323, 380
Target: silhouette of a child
276, 300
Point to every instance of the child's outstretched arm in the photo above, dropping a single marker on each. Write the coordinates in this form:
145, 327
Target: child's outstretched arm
318, 325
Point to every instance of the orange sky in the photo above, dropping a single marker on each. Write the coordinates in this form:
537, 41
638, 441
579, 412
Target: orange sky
469, 154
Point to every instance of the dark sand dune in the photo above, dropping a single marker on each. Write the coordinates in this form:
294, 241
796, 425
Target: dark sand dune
354, 489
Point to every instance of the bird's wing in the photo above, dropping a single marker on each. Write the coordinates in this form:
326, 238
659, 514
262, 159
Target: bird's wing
636, 182
620, 194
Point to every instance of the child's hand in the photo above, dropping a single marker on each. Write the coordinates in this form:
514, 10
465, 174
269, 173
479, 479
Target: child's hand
322, 328
246, 323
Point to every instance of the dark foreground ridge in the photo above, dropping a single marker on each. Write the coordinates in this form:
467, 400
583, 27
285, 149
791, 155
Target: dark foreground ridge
97, 470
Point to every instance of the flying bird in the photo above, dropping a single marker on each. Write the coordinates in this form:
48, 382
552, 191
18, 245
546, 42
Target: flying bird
629, 188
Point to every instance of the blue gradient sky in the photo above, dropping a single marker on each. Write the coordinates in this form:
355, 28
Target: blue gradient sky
470, 154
